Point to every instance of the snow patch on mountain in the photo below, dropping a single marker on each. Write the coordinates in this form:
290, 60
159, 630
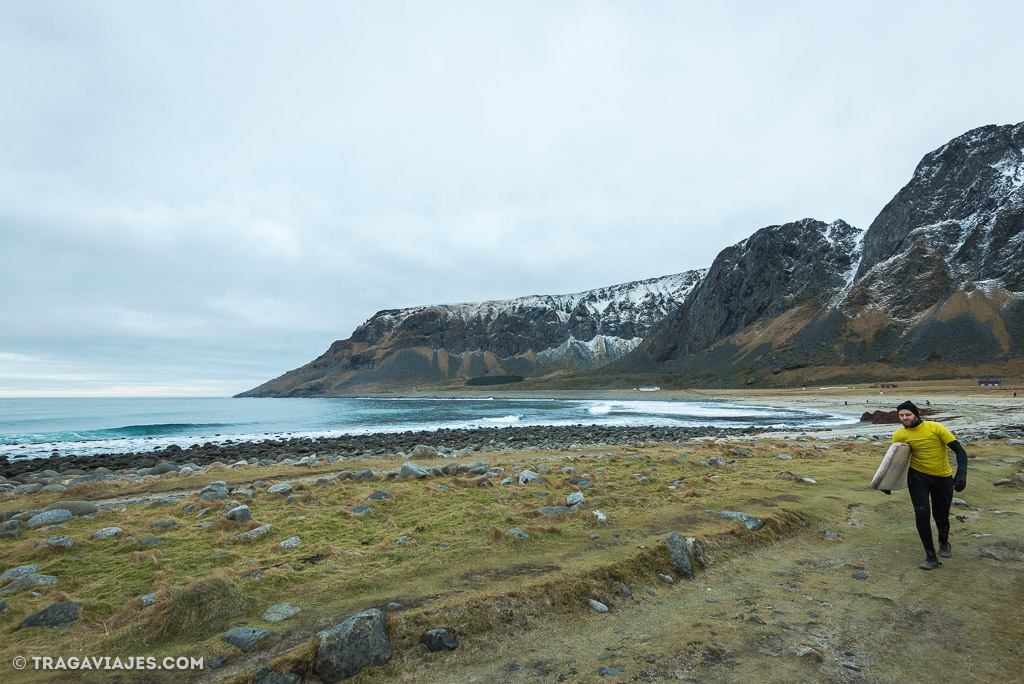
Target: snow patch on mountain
645, 301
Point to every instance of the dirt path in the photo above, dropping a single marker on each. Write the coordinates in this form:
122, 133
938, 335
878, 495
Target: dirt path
853, 609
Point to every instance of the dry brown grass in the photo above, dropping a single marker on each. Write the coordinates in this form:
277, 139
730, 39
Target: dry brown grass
195, 607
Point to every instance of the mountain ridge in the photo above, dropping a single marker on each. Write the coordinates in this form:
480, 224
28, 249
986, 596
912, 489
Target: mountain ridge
935, 284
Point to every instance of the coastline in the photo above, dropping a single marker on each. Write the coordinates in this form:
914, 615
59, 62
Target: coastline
971, 413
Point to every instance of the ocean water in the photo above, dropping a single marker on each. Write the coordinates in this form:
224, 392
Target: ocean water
30, 428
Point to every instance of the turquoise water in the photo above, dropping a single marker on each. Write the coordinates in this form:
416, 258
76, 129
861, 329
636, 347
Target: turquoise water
36, 427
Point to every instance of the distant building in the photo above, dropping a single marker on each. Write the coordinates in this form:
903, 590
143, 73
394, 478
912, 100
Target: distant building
889, 386
989, 382
647, 388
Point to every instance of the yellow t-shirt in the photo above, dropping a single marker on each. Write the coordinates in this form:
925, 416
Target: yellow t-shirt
927, 442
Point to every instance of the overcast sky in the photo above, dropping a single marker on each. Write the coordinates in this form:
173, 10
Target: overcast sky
196, 197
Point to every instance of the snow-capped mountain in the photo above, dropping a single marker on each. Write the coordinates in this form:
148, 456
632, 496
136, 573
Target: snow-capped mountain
933, 288
936, 284
526, 336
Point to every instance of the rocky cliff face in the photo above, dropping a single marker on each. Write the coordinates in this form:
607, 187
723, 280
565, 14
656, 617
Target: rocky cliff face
428, 346
937, 280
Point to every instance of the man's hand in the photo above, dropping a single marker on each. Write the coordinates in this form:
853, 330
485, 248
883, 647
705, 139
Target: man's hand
960, 481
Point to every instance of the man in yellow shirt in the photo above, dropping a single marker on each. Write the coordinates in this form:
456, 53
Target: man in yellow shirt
930, 476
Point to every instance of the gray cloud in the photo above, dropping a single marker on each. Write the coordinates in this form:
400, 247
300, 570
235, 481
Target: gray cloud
196, 197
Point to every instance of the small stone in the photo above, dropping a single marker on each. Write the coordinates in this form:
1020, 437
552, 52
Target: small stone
750, 521
151, 541
601, 517
439, 640
610, 671
252, 534
410, 469
53, 517
667, 579
859, 576
361, 509
403, 539
282, 488
554, 510
216, 661
164, 524
380, 496
290, 542
15, 573
280, 611
679, 555
517, 532
245, 637
29, 581
60, 615
528, 476
55, 542
598, 606
240, 514
147, 600
829, 534
574, 500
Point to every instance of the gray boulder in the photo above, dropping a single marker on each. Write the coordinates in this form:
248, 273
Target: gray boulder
29, 581
164, 523
252, 534
54, 517
358, 642
245, 637
240, 514
106, 533
215, 491
361, 509
147, 600
15, 573
517, 532
77, 508
678, 555
574, 500
696, 550
439, 640
291, 542
598, 606
280, 611
163, 467
55, 542
528, 476
60, 615
554, 510
750, 521
282, 488
412, 470
423, 451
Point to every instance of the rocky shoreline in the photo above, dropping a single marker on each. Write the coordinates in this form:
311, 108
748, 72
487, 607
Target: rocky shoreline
452, 442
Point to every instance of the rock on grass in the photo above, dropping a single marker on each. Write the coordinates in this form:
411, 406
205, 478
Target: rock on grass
60, 615
245, 637
358, 642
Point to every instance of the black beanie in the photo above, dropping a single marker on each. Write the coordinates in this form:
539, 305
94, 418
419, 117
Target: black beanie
909, 405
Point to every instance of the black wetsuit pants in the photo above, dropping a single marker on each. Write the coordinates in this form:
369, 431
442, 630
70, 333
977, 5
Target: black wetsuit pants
940, 489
